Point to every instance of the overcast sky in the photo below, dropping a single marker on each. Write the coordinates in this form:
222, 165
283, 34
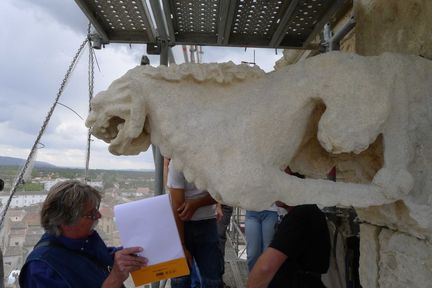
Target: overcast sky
39, 39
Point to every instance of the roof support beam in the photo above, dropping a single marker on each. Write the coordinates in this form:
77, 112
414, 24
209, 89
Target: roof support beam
88, 12
282, 28
169, 23
159, 19
326, 18
226, 18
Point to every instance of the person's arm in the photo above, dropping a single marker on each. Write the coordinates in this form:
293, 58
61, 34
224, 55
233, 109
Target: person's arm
176, 184
283, 205
265, 268
177, 200
219, 212
125, 262
187, 208
165, 171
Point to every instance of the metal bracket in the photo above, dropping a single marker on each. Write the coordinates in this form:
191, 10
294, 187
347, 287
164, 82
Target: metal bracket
97, 41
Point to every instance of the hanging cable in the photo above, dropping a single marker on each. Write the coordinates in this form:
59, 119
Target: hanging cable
76, 113
19, 179
91, 88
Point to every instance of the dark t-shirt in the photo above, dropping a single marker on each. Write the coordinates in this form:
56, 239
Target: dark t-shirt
304, 238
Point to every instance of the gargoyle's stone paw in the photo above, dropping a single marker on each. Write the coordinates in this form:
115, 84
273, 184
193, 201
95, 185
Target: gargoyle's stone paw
396, 184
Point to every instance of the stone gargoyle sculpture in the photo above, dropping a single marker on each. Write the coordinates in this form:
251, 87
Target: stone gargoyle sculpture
233, 129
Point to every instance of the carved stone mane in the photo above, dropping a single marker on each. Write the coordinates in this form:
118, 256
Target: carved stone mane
224, 73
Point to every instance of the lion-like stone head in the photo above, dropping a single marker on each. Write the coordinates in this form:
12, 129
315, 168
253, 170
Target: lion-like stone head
118, 118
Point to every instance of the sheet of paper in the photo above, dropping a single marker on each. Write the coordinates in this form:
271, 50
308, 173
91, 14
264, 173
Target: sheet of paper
150, 223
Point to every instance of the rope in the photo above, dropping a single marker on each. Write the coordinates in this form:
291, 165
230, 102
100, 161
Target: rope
91, 88
19, 179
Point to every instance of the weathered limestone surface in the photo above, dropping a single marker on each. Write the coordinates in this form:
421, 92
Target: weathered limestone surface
232, 130
369, 255
404, 261
393, 259
402, 27
394, 26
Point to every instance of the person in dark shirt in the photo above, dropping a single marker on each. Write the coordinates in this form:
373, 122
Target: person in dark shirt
298, 254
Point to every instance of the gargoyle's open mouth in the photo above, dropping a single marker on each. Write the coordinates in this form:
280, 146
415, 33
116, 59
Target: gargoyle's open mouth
109, 130
114, 126
123, 138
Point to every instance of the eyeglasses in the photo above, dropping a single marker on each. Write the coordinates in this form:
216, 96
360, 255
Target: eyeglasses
93, 215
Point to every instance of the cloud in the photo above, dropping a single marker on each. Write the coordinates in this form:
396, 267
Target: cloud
39, 41
65, 13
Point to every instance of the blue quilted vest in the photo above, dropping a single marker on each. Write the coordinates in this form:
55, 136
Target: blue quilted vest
76, 269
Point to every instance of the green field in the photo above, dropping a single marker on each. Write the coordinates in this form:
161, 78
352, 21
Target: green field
126, 180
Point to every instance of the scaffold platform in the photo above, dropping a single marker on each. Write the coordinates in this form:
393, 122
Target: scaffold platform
236, 270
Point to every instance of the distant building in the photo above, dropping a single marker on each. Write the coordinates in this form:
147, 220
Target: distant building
96, 184
144, 192
24, 199
16, 215
17, 233
106, 223
48, 184
129, 194
12, 259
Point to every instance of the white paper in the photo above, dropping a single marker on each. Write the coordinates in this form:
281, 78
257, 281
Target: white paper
149, 223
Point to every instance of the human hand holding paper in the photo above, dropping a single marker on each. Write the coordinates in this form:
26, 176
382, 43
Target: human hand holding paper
150, 223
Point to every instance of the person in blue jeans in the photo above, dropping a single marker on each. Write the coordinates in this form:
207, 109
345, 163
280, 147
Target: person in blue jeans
259, 231
194, 211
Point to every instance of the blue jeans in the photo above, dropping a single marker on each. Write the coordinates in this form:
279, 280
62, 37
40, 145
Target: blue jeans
195, 276
202, 241
260, 227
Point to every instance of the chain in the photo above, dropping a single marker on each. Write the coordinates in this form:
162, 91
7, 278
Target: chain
19, 179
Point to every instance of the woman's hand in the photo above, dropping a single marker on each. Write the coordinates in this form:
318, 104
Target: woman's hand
125, 261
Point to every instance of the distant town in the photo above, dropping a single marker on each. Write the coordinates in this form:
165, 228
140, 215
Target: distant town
21, 227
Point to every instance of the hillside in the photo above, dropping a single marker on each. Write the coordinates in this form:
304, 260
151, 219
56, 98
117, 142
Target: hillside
12, 161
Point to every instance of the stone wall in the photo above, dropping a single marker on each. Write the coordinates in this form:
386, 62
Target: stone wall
393, 26
395, 252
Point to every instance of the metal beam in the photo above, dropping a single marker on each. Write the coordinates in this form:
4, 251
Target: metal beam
326, 18
159, 19
171, 59
164, 53
337, 37
279, 34
130, 37
157, 157
196, 38
169, 23
151, 32
88, 12
226, 17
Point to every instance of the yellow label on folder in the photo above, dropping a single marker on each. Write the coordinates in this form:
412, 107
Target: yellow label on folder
170, 269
